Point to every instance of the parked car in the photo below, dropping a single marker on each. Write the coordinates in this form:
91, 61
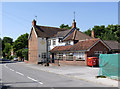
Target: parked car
15, 59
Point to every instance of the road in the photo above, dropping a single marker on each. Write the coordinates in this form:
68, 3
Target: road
17, 75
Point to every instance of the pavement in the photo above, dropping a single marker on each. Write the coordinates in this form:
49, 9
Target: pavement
79, 72
20, 74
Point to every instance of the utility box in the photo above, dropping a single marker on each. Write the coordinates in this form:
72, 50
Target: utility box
93, 61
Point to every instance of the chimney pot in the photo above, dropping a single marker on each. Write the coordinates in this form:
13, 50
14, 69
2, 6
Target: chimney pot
93, 34
74, 24
34, 23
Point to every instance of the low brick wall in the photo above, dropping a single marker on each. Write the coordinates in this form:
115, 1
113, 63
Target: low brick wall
80, 63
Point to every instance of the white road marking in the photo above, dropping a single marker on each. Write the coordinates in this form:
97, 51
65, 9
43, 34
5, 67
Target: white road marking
34, 80
5, 66
23, 75
11, 69
31, 78
40, 82
19, 73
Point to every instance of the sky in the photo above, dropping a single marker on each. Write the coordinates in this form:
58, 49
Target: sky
17, 16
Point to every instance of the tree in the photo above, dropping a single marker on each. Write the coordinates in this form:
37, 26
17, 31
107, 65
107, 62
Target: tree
66, 26
111, 32
88, 32
6, 45
7, 50
7, 40
25, 53
20, 44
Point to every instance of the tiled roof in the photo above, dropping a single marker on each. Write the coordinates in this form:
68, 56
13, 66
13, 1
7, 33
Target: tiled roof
62, 33
61, 48
77, 35
44, 31
81, 45
112, 44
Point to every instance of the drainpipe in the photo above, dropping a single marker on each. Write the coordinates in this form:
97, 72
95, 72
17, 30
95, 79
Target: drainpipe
47, 60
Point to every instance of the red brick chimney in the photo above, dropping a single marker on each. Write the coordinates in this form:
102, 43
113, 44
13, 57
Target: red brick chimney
92, 34
34, 23
74, 24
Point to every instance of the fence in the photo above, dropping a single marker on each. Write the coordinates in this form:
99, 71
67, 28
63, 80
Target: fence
110, 65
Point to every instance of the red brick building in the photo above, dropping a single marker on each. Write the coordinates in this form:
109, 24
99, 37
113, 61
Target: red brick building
70, 46
77, 54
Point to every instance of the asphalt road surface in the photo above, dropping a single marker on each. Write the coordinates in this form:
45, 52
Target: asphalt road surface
16, 75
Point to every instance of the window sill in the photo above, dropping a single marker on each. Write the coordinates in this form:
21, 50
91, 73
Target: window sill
68, 60
80, 60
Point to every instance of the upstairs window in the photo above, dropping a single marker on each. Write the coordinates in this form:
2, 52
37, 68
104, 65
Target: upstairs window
60, 40
49, 42
54, 42
97, 52
67, 43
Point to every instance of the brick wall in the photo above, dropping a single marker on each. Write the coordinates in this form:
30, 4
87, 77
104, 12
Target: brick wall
80, 63
33, 49
98, 47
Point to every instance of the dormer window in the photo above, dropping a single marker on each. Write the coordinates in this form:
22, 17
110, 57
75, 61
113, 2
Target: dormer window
67, 43
54, 42
49, 42
60, 40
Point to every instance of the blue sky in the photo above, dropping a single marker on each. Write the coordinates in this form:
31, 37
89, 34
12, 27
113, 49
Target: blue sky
17, 17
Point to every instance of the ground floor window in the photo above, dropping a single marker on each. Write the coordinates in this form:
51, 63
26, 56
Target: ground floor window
69, 56
98, 52
60, 56
43, 55
80, 55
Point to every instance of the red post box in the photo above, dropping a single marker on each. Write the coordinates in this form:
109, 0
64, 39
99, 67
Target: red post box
93, 61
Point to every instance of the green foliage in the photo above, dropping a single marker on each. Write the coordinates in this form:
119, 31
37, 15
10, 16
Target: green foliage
7, 40
21, 42
19, 46
6, 46
111, 32
88, 32
25, 53
66, 26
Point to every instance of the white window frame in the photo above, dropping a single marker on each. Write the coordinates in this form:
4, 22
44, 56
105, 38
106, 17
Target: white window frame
54, 41
49, 42
60, 56
43, 55
105, 52
98, 52
80, 56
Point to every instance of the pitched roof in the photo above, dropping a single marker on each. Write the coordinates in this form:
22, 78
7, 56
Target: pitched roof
44, 31
112, 44
81, 45
61, 48
62, 33
76, 35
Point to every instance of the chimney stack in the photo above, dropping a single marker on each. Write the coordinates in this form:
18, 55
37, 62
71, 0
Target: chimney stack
74, 24
34, 23
92, 34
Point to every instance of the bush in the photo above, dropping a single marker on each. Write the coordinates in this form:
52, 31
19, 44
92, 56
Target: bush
10, 57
